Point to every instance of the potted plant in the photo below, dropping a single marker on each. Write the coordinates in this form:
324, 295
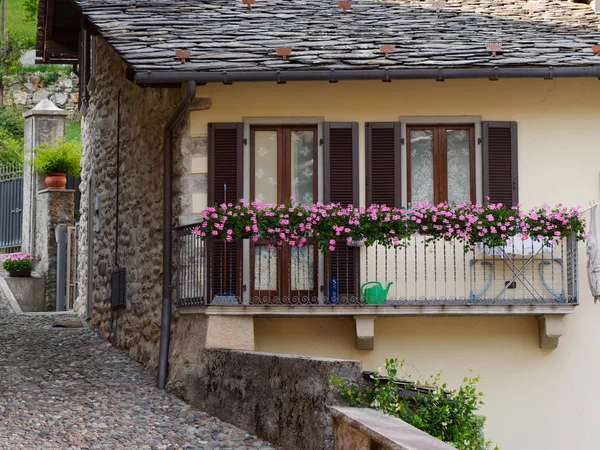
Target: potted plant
18, 264
56, 160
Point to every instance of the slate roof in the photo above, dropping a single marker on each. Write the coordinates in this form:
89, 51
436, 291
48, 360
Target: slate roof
225, 35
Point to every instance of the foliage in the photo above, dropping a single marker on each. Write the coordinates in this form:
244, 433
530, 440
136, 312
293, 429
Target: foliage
18, 24
10, 64
293, 224
11, 121
449, 415
73, 131
11, 149
49, 78
58, 157
31, 9
20, 262
49, 68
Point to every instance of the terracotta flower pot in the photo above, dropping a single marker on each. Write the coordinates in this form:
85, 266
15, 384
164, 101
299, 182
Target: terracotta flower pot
596, 49
56, 181
19, 273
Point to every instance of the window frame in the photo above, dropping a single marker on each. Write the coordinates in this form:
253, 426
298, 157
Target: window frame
284, 190
440, 159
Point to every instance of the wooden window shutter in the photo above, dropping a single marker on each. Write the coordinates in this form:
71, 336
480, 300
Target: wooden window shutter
340, 143
341, 183
500, 163
383, 161
225, 168
225, 162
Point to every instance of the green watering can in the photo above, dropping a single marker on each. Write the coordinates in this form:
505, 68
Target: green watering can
376, 294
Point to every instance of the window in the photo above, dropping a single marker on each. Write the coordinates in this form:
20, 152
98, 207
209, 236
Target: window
283, 165
441, 163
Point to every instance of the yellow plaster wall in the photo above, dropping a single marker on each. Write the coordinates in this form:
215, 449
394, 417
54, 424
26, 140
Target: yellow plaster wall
536, 399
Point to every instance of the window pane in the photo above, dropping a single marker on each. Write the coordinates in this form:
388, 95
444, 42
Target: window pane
265, 268
421, 166
459, 174
302, 166
265, 166
302, 270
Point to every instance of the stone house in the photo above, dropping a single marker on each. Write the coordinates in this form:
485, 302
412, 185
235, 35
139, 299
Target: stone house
189, 104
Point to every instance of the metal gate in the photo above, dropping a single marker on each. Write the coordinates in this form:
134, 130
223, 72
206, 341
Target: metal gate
11, 207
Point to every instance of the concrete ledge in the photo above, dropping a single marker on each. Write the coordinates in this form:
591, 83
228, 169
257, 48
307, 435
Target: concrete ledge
56, 191
381, 310
549, 316
365, 429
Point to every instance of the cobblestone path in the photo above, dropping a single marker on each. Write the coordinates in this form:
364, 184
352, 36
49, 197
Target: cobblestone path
67, 388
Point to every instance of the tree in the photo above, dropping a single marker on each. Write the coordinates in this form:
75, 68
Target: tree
10, 64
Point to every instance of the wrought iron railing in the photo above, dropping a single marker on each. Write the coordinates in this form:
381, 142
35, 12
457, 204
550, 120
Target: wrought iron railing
11, 207
211, 272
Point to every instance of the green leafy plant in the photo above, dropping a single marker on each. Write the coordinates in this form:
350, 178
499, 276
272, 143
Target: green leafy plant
11, 121
11, 150
449, 415
49, 78
10, 64
19, 262
58, 157
31, 9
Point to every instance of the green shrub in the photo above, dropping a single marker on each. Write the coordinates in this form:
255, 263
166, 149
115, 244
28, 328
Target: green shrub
11, 121
11, 149
447, 415
58, 157
31, 10
49, 78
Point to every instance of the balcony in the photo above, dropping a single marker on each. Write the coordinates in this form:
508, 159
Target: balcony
421, 278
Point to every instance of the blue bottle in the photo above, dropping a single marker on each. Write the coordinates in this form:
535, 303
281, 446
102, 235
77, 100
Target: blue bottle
333, 291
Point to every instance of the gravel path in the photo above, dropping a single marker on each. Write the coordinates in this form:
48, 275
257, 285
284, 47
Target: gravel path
68, 388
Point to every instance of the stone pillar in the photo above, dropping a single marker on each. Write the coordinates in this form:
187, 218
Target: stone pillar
53, 207
44, 209
44, 123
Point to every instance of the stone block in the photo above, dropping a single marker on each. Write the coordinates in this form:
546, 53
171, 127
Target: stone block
199, 203
40, 95
199, 164
366, 429
28, 292
196, 146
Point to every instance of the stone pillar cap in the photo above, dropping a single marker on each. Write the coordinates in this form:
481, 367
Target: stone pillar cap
45, 108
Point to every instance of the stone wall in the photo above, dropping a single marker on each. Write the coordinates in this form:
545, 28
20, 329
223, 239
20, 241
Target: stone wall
32, 88
144, 113
284, 399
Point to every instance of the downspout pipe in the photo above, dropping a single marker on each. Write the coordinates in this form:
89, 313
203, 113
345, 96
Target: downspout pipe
438, 73
165, 321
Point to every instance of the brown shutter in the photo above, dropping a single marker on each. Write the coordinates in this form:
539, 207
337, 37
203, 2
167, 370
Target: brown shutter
340, 142
341, 182
500, 163
383, 160
225, 168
